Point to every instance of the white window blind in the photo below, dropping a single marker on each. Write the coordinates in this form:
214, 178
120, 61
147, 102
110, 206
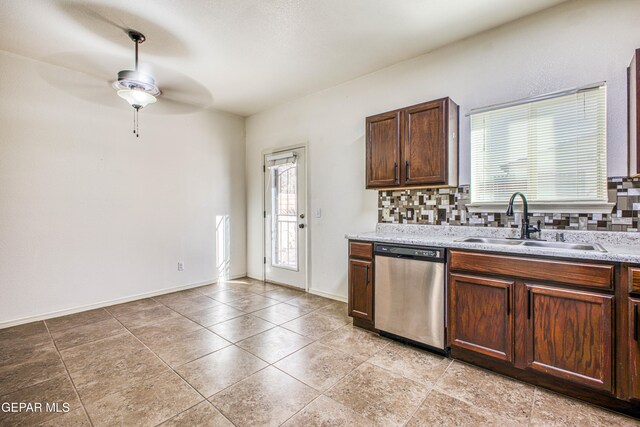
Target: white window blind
553, 150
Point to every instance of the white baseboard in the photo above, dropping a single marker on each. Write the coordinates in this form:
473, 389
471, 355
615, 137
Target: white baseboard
311, 291
328, 295
78, 309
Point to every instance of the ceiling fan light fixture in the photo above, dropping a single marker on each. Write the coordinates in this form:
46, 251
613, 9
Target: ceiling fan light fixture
136, 80
136, 98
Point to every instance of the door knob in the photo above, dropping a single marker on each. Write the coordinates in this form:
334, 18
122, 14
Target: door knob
300, 225
301, 216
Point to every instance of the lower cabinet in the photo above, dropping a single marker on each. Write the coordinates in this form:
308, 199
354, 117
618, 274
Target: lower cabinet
535, 326
361, 284
634, 347
570, 335
361, 289
480, 313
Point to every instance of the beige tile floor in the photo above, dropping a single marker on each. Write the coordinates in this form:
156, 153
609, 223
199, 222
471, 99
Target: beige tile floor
246, 353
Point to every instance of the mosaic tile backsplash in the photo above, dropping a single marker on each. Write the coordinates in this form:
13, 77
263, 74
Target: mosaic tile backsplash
441, 206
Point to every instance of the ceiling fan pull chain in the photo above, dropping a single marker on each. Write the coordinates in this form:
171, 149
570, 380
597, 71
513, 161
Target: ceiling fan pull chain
134, 121
137, 123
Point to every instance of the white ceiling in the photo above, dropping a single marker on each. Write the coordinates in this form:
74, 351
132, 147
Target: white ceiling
244, 56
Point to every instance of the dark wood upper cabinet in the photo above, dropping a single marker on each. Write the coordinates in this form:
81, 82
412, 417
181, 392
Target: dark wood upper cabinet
570, 335
481, 315
633, 101
634, 347
383, 133
413, 146
425, 144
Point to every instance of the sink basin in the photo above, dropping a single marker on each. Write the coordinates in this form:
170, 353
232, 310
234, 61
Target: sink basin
562, 245
491, 241
535, 244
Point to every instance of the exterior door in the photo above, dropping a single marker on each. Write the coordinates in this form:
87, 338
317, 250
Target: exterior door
285, 221
570, 335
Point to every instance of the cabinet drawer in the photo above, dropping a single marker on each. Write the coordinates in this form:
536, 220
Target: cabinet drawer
361, 250
598, 276
634, 279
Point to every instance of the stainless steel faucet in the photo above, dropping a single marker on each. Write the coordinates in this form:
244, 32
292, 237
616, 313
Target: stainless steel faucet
526, 229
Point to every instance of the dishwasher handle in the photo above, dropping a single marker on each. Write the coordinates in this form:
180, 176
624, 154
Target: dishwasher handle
418, 253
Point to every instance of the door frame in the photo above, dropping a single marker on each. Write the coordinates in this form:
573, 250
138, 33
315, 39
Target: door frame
307, 248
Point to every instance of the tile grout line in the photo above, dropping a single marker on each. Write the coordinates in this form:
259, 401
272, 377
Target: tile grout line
86, 342
205, 399
431, 389
170, 368
303, 408
75, 389
314, 340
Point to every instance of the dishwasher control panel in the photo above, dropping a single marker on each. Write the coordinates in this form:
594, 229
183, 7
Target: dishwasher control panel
414, 252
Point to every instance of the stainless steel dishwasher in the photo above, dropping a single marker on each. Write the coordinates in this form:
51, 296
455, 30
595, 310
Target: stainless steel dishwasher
410, 293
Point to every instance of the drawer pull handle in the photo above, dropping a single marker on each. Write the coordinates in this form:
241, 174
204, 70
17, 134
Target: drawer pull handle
528, 303
635, 322
366, 278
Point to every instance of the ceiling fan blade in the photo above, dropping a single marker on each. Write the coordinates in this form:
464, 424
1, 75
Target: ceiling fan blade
180, 93
78, 84
88, 76
170, 107
111, 22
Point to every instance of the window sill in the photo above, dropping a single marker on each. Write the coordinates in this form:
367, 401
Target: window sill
568, 207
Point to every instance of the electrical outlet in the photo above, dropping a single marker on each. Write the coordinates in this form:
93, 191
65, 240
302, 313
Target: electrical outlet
180, 266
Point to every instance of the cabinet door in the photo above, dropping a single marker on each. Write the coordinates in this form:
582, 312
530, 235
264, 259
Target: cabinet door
634, 346
361, 289
425, 144
480, 315
569, 335
383, 150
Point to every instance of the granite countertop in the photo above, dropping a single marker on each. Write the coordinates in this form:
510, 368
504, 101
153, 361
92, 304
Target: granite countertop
620, 246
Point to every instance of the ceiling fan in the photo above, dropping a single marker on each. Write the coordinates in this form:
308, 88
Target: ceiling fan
89, 75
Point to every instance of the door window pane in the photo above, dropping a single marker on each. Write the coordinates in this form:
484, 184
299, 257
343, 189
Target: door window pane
284, 213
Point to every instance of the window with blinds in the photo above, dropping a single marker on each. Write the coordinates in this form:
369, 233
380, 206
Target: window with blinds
553, 149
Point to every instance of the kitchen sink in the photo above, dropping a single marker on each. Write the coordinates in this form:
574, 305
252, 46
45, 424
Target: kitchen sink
491, 241
562, 245
535, 244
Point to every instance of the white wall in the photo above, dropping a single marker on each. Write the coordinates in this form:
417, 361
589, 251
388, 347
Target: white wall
90, 214
577, 43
